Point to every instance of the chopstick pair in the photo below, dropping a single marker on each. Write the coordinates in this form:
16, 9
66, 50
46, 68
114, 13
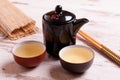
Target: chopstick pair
113, 56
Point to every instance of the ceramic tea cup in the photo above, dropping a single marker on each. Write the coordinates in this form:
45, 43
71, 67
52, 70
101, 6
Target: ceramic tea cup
29, 53
76, 58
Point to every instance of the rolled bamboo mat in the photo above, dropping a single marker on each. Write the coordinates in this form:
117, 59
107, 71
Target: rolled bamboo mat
13, 22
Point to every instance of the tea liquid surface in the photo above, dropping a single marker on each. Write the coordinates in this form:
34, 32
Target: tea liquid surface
29, 50
77, 55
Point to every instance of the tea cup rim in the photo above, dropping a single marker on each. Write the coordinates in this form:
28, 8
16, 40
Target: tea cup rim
26, 42
79, 46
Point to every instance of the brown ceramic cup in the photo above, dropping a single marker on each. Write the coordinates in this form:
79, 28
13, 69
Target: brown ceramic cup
29, 53
76, 58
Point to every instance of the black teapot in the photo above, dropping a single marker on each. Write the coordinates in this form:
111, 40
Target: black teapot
59, 29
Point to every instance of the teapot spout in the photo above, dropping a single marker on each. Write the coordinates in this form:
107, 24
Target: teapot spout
78, 23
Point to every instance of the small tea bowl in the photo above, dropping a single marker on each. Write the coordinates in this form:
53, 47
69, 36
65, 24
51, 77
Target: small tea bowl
29, 53
76, 58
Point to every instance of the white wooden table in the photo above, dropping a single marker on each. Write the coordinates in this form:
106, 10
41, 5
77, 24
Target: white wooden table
104, 26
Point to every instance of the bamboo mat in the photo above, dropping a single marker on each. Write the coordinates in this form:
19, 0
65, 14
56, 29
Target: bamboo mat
13, 22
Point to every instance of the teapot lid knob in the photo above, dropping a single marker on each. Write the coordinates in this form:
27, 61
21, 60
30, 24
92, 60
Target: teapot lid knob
58, 9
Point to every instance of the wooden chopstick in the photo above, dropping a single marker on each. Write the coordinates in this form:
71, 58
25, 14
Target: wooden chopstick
113, 56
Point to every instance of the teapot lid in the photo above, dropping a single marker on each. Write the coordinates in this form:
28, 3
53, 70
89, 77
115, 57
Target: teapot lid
59, 16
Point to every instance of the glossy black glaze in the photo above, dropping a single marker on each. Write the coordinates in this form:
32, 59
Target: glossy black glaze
57, 37
73, 66
76, 68
59, 19
58, 9
59, 29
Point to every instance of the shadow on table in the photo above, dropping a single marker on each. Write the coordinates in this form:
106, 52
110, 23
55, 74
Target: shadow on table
58, 73
13, 68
